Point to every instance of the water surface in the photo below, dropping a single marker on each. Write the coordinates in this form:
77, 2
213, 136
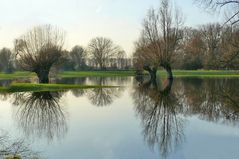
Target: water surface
184, 119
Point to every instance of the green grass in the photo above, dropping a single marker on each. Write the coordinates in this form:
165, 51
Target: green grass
29, 87
201, 73
18, 74
161, 73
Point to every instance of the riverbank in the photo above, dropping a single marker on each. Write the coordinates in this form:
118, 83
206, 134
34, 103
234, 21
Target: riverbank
160, 73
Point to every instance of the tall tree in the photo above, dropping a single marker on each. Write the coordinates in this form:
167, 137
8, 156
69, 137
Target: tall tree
101, 50
160, 38
39, 49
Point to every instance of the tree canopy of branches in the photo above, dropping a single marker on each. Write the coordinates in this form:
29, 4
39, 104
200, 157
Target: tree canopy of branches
211, 38
101, 50
210, 46
39, 49
229, 47
159, 39
6, 60
193, 48
78, 57
231, 7
75, 59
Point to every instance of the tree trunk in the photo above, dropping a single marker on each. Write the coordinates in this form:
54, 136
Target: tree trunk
43, 76
168, 87
152, 72
169, 71
168, 68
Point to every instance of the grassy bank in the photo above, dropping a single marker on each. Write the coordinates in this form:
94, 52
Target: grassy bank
161, 73
29, 87
14, 75
201, 73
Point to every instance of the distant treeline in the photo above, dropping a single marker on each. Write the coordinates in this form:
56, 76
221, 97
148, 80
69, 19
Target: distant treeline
75, 60
89, 64
211, 46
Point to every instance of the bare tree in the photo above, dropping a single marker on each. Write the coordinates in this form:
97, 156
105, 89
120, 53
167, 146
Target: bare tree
78, 57
39, 49
6, 60
193, 48
231, 7
212, 37
160, 37
229, 46
101, 50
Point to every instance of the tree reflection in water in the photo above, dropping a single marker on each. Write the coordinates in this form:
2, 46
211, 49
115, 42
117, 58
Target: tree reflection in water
98, 96
80, 80
214, 100
162, 111
103, 96
159, 112
39, 114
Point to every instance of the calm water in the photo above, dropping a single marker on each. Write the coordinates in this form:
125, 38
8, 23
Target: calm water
187, 119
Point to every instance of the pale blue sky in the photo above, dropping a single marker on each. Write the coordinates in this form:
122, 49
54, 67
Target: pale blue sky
82, 20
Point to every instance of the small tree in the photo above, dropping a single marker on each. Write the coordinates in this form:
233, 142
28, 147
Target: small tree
39, 49
101, 50
6, 60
